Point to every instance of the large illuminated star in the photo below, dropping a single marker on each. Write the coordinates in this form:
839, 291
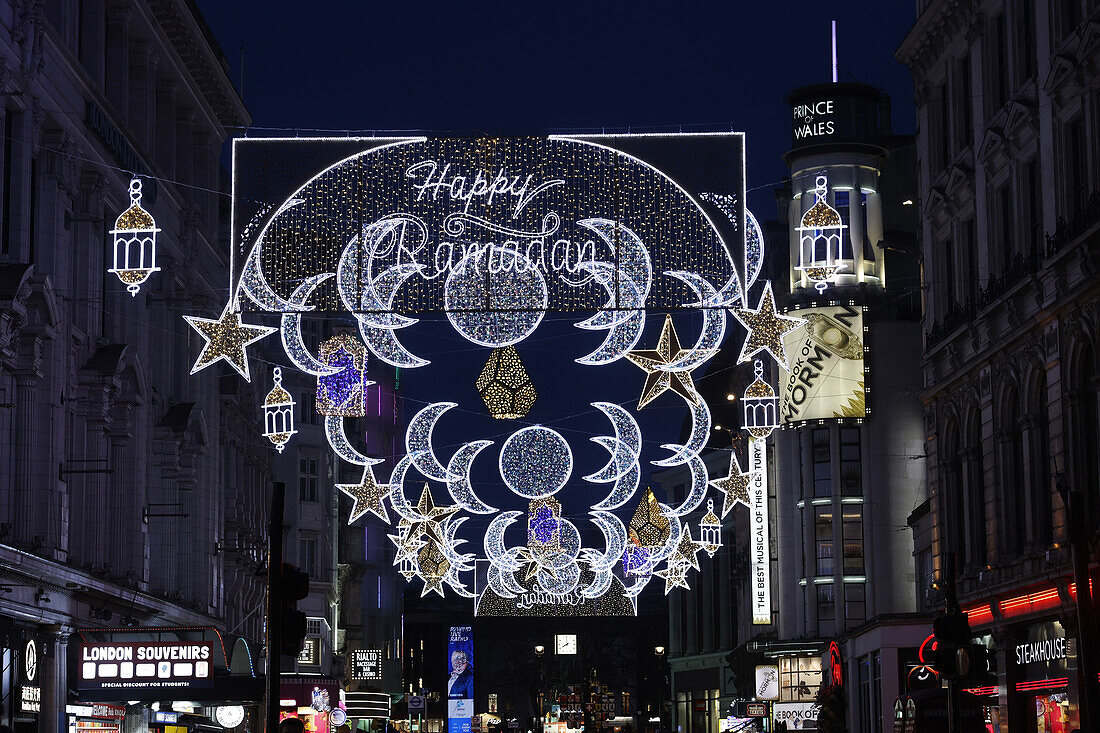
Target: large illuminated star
367, 495
432, 567
433, 516
766, 329
657, 381
688, 550
735, 486
226, 338
675, 575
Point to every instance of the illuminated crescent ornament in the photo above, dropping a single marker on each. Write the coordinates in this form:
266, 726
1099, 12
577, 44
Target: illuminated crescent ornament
624, 326
359, 291
458, 468
599, 585
628, 251
714, 325
698, 490
766, 329
226, 339
291, 331
615, 539
418, 440
338, 440
397, 490
697, 439
495, 550
253, 283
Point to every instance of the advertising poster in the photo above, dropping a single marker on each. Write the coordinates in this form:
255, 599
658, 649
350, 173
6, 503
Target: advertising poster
827, 378
460, 680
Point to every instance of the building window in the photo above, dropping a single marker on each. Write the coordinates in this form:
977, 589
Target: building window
307, 555
947, 282
823, 465
1076, 167
941, 143
1025, 41
869, 680
823, 532
977, 545
964, 124
1012, 465
855, 603
308, 411
1006, 221
925, 576
1039, 439
997, 60
826, 602
970, 254
852, 516
307, 479
1034, 208
851, 471
842, 200
799, 679
1067, 16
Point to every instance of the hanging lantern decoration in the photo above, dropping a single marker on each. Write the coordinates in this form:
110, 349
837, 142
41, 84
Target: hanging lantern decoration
135, 243
278, 413
761, 406
710, 530
819, 239
637, 561
544, 526
407, 566
343, 394
505, 386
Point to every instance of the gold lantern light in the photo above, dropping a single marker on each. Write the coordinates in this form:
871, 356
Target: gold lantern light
710, 530
135, 243
505, 386
819, 239
278, 414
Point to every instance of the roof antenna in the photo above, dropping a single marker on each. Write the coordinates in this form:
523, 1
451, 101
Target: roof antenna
834, 53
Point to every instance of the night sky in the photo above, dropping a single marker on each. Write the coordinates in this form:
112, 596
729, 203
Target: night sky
495, 67
520, 67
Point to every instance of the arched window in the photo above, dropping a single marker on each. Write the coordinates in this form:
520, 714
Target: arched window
953, 495
1084, 432
1039, 453
1011, 447
977, 541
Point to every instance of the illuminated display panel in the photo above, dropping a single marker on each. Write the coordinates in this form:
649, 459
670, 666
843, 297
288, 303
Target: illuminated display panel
827, 378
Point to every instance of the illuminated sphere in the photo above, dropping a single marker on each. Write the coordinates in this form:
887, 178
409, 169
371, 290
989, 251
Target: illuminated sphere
535, 462
505, 280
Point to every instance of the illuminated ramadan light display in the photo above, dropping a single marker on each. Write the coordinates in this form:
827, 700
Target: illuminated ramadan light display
495, 233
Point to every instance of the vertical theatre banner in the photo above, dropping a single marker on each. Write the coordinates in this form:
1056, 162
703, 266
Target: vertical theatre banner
827, 372
460, 681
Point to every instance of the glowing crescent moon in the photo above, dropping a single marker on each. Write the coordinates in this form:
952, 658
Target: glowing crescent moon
418, 440
495, 578
624, 488
459, 470
700, 431
599, 584
353, 282
397, 490
698, 487
615, 538
714, 325
253, 282
614, 311
623, 335
494, 541
673, 537
290, 330
338, 439
563, 583
631, 254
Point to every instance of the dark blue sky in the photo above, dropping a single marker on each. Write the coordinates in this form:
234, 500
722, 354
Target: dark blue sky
522, 67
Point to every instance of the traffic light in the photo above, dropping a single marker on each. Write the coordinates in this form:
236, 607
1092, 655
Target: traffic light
951, 654
292, 622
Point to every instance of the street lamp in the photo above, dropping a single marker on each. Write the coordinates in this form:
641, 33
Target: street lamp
659, 651
539, 650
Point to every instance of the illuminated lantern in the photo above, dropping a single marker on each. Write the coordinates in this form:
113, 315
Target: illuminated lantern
278, 413
819, 239
761, 406
135, 239
504, 385
710, 530
343, 394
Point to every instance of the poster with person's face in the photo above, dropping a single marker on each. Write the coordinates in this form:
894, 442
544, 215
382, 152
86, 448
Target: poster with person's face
460, 679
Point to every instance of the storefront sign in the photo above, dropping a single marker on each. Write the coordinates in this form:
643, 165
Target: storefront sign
826, 379
131, 665
308, 655
797, 715
834, 113
30, 699
366, 664
836, 665
1042, 655
756, 709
